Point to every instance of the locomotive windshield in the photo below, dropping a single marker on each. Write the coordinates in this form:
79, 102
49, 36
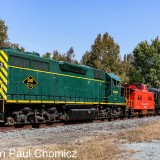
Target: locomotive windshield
112, 80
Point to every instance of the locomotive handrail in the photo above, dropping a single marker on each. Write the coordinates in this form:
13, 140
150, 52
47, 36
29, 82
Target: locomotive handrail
53, 94
3, 99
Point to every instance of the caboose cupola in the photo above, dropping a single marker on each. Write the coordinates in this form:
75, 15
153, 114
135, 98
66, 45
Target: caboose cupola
142, 87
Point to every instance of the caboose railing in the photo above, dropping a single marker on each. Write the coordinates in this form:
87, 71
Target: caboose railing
127, 95
130, 103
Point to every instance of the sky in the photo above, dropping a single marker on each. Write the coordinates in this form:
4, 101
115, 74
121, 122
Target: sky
47, 25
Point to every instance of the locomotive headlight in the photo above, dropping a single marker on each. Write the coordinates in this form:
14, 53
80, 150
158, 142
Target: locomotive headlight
1, 64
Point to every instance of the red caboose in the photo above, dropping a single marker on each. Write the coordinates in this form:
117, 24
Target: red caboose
138, 99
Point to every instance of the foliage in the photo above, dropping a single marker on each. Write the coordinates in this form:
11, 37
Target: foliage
47, 55
126, 67
4, 40
146, 62
104, 54
3, 34
142, 66
67, 57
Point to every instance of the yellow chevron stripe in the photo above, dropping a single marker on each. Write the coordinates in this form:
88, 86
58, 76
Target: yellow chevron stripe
4, 55
3, 94
5, 64
3, 86
3, 78
4, 71
3, 75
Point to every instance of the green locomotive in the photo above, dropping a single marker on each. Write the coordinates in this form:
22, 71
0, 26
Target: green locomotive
34, 89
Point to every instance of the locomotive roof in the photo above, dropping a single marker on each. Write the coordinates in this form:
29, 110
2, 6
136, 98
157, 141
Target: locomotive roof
113, 76
38, 57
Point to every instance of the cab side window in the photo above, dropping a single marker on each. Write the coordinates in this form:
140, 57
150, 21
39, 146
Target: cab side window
116, 83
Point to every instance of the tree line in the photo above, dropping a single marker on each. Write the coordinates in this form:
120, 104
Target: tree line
142, 65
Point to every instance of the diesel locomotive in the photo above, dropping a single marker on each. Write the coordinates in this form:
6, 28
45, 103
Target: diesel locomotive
38, 90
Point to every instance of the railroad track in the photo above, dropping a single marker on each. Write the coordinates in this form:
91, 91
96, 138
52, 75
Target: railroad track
6, 128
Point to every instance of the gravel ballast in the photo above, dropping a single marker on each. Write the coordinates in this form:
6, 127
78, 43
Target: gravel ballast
72, 133
145, 150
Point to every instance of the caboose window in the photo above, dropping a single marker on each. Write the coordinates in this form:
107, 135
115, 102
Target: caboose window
139, 97
138, 86
150, 98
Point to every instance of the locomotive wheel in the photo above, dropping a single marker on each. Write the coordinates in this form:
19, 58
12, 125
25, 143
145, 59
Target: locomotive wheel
10, 121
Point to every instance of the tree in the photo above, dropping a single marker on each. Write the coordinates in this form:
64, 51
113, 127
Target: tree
126, 67
146, 62
4, 40
134, 76
47, 55
3, 34
104, 54
58, 56
67, 57
70, 55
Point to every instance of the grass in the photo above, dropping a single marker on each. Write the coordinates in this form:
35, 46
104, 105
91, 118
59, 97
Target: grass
146, 133
94, 148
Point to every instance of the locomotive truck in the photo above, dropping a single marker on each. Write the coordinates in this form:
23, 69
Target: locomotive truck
35, 90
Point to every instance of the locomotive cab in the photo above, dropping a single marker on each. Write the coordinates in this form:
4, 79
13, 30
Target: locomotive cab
113, 89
